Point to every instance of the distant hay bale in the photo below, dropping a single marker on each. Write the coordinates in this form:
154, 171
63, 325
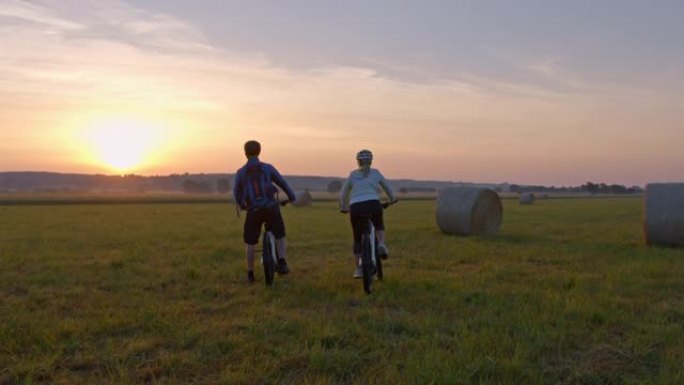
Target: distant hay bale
526, 198
664, 215
468, 210
303, 199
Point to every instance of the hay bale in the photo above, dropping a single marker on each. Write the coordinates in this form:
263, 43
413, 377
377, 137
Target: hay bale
526, 198
468, 210
664, 215
303, 199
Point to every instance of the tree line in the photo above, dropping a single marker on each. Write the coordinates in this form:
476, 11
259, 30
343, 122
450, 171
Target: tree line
587, 188
192, 186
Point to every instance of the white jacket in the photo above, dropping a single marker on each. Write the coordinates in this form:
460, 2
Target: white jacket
360, 188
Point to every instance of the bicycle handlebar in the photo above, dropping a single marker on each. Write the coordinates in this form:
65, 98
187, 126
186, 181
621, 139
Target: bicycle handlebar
385, 205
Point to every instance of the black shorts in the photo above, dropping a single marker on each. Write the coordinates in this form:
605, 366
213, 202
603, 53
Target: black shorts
356, 213
270, 216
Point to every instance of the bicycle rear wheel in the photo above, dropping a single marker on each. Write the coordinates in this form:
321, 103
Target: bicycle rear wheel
268, 258
367, 264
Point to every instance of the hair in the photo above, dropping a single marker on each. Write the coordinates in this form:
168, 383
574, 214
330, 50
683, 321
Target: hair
364, 167
252, 148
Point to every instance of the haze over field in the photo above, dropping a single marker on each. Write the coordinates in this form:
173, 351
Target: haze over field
530, 92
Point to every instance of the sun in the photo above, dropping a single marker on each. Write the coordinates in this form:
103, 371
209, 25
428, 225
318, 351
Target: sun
122, 145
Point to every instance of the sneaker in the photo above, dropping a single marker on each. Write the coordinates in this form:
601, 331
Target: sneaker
358, 273
250, 277
382, 251
282, 267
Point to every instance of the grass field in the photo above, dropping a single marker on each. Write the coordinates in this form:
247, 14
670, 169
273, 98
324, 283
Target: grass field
567, 293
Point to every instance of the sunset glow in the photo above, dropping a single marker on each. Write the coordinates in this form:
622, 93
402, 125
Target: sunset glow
122, 146
555, 94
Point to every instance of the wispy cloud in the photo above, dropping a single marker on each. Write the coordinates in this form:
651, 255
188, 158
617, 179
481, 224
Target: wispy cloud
111, 49
81, 55
552, 69
81, 51
34, 13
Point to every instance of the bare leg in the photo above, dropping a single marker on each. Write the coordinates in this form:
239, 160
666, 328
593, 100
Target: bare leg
250, 257
380, 235
382, 248
281, 248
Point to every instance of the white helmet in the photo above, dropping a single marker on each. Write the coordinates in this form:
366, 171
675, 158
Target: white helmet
364, 156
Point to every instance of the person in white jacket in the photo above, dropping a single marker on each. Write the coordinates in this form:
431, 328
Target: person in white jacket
360, 196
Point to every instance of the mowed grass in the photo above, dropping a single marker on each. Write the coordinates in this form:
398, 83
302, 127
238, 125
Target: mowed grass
566, 293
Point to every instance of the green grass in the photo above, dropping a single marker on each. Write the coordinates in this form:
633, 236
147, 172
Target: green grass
566, 293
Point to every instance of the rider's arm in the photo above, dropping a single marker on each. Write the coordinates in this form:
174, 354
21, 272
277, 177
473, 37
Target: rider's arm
344, 194
385, 186
280, 182
238, 189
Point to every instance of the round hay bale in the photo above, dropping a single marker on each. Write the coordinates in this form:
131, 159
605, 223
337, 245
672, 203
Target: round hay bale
664, 215
526, 198
468, 210
303, 199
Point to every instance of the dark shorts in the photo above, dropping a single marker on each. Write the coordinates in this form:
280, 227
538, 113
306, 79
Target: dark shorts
356, 213
269, 216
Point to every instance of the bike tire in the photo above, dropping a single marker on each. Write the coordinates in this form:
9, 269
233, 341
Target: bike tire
367, 265
268, 259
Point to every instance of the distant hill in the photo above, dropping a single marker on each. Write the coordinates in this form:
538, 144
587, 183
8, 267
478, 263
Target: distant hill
58, 183
51, 182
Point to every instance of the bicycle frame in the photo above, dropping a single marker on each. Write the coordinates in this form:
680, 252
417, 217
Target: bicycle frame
370, 263
269, 250
269, 253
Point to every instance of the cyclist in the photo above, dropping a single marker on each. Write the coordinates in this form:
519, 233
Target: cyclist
360, 197
253, 190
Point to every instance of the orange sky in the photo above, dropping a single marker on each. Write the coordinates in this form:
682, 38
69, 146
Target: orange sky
75, 99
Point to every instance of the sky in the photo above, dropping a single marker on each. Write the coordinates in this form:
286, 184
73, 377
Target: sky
545, 92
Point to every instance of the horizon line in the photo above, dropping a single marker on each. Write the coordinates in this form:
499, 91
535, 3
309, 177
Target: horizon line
312, 176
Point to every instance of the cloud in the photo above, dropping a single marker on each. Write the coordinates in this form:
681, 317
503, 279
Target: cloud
89, 56
34, 13
80, 52
83, 51
551, 69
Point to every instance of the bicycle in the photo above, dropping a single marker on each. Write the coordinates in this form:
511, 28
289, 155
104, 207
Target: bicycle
269, 252
370, 264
